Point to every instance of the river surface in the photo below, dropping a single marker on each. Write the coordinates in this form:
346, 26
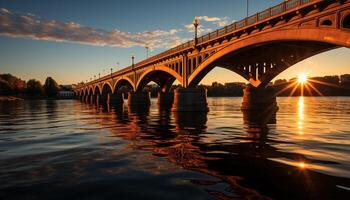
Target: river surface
66, 149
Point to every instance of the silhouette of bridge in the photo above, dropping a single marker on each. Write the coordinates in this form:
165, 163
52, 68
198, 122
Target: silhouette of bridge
258, 48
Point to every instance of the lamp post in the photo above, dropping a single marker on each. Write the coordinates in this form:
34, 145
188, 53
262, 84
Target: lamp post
195, 24
132, 60
99, 75
147, 48
132, 65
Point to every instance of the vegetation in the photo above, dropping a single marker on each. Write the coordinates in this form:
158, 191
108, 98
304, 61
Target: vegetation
12, 86
34, 88
51, 87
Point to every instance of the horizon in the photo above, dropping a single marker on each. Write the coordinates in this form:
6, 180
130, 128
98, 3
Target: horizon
74, 58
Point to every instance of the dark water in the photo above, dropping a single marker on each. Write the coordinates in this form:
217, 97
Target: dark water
67, 149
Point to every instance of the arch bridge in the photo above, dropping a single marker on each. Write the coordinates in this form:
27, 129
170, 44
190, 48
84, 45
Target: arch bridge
258, 48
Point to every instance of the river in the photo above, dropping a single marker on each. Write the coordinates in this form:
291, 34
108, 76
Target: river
63, 149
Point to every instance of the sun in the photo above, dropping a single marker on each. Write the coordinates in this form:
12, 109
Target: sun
302, 78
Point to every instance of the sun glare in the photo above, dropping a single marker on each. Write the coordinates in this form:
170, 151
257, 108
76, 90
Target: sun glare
302, 78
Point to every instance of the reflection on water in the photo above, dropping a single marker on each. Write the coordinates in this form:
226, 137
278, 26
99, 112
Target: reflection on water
66, 149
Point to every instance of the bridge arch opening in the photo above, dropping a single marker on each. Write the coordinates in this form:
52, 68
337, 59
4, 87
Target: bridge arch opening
346, 22
259, 63
163, 79
123, 86
326, 22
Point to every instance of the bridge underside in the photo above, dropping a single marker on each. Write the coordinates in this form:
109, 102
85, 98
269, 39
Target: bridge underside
261, 63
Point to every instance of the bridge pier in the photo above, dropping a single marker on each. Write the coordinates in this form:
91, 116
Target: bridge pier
87, 99
165, 98
93, 99
259, 104
139, 99
190, 100
116, 99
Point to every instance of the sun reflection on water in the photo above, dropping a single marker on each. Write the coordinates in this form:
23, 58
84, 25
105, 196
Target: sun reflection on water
300, 115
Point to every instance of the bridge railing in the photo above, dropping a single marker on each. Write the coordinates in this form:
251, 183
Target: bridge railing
268, 13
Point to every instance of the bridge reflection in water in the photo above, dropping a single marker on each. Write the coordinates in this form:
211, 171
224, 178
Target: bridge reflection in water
249, 166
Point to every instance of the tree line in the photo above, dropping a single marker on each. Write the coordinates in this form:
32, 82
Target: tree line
12, 85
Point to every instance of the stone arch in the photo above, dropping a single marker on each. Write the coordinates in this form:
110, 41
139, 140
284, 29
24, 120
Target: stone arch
327, 22
108, 86
322, 39
162, 75
107, 89
97, 90
346, 21
121, 82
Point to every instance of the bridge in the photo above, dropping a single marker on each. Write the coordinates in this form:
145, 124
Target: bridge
258, 48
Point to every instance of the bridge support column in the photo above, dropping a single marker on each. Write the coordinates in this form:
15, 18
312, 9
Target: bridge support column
98, 99
93, 99
116, 99
87, 99
259, 100
139, 99
165, 98
190, 100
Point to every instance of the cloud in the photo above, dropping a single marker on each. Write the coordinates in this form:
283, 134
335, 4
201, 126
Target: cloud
28, 26
206, 21
219, 21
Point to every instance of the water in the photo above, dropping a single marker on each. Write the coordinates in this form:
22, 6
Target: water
68, 149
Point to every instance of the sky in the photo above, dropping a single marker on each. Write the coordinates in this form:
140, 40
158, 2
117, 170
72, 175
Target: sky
72, 41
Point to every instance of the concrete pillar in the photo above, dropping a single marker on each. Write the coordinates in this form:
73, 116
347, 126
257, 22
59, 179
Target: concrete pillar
93, 99
99, 99
104, 99
190, 100
165, 98
87, 99
139, 99
116, 99
259, 99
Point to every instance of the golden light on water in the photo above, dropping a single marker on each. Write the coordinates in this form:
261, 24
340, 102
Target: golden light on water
300, 115
301, 165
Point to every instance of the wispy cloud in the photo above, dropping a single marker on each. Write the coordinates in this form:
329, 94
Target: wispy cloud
206, 21
29, 26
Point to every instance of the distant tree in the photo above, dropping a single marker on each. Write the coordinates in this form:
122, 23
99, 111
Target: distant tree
16, 84
51, 87
34, 88
5, 88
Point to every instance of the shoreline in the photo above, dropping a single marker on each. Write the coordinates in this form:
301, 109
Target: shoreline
10, 98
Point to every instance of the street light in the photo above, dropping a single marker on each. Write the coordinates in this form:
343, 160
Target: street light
99, 75
147, 48
195, 24
94, 77
132, 60
111, 70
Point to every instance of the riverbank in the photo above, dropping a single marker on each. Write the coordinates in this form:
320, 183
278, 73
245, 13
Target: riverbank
9, 98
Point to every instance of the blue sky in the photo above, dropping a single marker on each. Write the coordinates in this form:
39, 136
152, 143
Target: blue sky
126, 25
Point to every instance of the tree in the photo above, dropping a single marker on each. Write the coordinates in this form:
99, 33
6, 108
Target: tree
17, 85
34, 88
51, 87
5, 88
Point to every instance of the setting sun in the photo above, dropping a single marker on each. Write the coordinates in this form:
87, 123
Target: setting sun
302, 78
